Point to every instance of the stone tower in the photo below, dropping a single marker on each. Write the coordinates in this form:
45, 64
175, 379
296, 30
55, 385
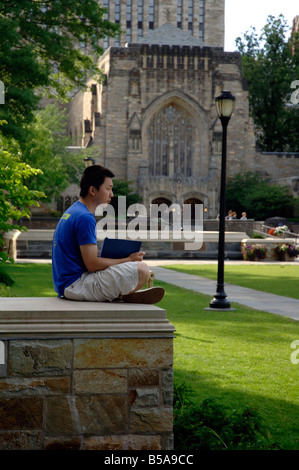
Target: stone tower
203, 19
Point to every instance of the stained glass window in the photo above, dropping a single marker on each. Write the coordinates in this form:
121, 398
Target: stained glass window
170, 130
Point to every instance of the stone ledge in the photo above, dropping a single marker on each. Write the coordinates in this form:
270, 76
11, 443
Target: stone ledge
49, 316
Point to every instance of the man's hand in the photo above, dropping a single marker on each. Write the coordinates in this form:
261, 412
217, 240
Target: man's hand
138, 256
94, 263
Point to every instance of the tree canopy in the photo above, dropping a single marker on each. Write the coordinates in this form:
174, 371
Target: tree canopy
258, 197
15, 197
270, 63
41, 51
41, 47
47, 148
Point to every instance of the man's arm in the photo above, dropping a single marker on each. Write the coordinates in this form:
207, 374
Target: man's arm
94, 263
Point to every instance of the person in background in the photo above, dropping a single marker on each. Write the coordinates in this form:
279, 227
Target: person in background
244, 216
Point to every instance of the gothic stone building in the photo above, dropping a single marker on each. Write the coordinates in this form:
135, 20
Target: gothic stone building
154, 117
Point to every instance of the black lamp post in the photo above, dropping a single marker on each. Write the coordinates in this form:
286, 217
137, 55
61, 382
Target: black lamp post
225, 104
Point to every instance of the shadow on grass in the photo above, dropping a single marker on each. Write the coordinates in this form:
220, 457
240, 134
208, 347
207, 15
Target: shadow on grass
279, 417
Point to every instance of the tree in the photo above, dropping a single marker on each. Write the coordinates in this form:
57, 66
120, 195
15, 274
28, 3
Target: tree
40, 47
15, 197
46, 148
122, 188
270, 63
257, 196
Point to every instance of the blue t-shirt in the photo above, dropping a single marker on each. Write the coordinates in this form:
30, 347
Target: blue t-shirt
76, 227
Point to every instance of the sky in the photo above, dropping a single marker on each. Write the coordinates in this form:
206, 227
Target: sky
240, 15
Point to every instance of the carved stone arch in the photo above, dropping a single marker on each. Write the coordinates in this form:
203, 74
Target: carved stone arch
192, 198
167, 196
176, 96
198, 195
175, 136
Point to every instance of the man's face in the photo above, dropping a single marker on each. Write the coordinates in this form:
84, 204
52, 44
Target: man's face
104, 194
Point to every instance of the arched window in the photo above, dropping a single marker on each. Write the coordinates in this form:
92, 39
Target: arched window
170, 135
161, 200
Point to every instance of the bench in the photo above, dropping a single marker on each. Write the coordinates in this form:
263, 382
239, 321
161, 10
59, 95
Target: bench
85, 375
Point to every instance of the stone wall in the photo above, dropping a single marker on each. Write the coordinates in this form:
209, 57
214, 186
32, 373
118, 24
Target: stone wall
85, 376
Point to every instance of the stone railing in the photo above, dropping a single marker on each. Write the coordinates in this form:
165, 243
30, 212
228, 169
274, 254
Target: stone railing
84, 375
38, 243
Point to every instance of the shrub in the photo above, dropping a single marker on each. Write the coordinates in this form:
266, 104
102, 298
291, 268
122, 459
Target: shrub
5, 291
211, 426
6, 279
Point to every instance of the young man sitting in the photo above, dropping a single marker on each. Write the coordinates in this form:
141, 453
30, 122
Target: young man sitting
78, 272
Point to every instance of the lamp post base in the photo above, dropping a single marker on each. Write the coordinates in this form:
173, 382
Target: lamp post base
220, 302
217, 309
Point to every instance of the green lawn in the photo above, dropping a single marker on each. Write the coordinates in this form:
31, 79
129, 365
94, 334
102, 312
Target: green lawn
31, 280
241, 358
274, 278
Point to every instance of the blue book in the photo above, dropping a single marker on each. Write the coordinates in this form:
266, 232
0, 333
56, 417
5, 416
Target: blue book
117, 248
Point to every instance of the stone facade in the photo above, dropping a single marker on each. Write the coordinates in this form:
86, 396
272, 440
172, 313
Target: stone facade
78, 377
153, 117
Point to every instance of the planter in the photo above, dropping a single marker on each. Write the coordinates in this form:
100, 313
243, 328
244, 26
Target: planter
285, 257
252, 258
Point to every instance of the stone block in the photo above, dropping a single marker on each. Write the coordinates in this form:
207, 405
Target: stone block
61, 417
122, 442
143, 377
21, 413
146, 397
100, 381
20, 440
150, 420
20, 386
62, 443
130, 352
167, 387
39, 357
105, 414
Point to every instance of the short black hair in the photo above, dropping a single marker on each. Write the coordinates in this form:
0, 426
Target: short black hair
94, 176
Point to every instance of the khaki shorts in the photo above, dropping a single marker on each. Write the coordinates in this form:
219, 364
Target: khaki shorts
105, 285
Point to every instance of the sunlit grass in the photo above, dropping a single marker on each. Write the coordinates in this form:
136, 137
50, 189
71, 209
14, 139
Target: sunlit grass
280, 279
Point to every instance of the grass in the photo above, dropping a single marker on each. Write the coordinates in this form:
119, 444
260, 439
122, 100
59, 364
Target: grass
31, 280
240, 358
277, 279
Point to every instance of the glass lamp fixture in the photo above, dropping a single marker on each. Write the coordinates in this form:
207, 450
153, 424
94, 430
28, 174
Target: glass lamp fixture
225, 104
